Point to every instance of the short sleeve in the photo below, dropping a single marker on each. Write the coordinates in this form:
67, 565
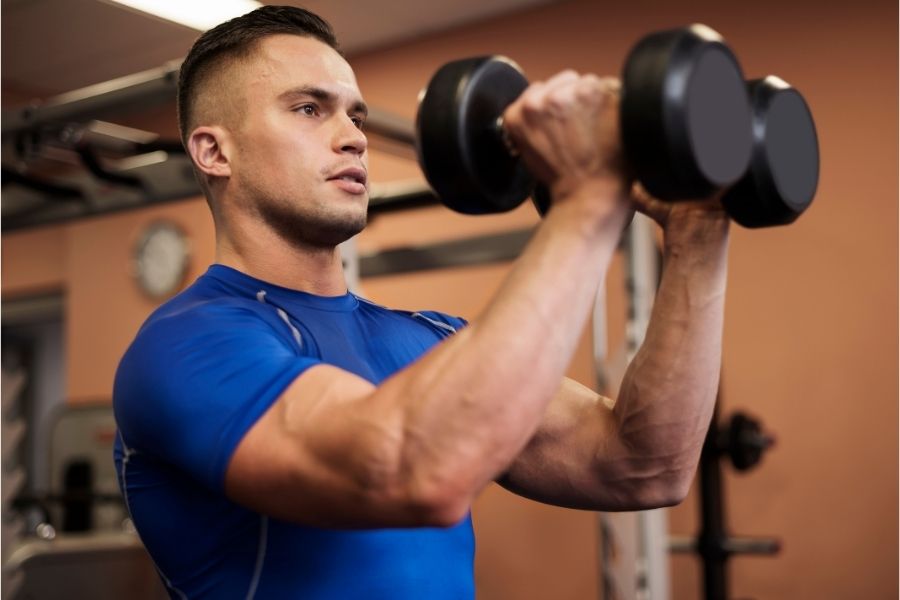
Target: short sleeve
193, 383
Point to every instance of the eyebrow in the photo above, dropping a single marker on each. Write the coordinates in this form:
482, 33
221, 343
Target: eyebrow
322, 95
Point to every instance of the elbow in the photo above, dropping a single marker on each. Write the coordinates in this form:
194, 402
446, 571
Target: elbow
663, 491
662, 499
417, 499
406, 491
433, 503
445, 512
648, 486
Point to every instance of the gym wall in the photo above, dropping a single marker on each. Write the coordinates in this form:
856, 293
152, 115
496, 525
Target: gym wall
810, 337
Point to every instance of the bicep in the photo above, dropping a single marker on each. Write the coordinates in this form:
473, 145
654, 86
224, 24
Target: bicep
323, 454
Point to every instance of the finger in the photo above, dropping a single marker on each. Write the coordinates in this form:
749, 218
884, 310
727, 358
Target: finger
562, 78
614, 84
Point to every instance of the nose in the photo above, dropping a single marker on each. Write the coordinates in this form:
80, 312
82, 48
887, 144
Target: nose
349, 138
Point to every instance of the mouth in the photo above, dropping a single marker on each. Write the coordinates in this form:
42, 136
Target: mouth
351, 175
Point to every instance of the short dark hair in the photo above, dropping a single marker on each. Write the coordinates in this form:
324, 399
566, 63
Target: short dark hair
237, 38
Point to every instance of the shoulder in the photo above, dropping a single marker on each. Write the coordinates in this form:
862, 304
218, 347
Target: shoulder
195, 313
195, 329
201, 369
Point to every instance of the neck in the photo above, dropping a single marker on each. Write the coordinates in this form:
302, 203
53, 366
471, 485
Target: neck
265, 255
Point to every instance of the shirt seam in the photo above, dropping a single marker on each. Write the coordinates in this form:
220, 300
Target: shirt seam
127, 453
260, 556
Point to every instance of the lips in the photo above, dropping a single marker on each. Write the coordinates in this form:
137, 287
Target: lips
350, 174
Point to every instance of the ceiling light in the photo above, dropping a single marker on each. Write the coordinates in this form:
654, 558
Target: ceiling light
197, 14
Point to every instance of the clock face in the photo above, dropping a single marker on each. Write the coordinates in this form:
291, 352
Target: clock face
161, 259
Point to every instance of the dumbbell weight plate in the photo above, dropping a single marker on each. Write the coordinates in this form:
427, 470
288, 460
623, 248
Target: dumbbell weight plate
460, 147
685, 116
784, 169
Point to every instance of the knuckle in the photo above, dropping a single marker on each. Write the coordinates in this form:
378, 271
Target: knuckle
530, 100
531, 106
559, 100
589, 91
512, 117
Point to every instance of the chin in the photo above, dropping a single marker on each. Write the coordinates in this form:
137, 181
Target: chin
333, 234
321, 225
320, 232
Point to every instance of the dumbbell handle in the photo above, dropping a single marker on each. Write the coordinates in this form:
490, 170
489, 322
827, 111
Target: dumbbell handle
503, 134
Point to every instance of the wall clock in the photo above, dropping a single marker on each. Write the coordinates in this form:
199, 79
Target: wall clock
161, 258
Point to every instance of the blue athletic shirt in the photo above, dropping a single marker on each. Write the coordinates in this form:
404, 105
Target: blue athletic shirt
200, 372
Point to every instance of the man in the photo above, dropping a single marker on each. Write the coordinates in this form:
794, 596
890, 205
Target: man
282, 438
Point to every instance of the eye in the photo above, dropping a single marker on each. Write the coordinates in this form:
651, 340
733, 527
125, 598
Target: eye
358, 121
310, 110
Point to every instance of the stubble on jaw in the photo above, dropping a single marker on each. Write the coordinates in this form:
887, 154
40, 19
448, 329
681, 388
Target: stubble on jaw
310, 226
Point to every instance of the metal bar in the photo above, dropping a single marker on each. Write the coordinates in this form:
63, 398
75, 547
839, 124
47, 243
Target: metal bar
92, 163
653, 530
20, 311
713, 535
396, 197
132, 92
390, 126
682, 544
634, 546
56, 191
499, 247
28, 221
747, 545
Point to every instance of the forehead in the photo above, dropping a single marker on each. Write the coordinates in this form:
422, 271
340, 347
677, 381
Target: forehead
283, 61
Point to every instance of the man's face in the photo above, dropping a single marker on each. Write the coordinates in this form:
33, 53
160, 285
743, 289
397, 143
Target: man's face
300, 160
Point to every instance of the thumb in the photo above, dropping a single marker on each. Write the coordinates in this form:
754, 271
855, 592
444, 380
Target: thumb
656, 209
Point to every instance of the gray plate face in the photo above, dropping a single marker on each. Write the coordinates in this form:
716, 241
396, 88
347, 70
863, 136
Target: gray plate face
792, 149
719, 117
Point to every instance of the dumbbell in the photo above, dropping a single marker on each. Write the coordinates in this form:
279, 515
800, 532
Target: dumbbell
685, 123
783, 175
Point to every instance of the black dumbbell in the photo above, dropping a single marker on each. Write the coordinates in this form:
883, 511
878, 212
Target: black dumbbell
685, 115
784, 169
685, 121
459, 136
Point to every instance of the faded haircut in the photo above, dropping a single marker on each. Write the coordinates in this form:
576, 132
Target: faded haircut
236, 39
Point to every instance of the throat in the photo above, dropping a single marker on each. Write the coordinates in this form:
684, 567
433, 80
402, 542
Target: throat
301, 267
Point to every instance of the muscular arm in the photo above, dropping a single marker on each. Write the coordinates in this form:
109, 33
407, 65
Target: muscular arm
335, 451
641, 451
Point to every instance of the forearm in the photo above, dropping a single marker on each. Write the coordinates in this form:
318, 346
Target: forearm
668, 393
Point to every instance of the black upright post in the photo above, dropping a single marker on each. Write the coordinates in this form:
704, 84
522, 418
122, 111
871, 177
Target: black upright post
713, 538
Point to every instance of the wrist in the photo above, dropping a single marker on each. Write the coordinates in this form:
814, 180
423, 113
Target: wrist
609, 185
599, 201
696, 232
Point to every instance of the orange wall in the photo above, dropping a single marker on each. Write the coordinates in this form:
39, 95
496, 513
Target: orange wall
810, 342
90, 262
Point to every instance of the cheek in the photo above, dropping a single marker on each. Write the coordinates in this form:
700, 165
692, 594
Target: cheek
277, 155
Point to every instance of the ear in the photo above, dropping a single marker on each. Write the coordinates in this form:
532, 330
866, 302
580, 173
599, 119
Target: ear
206, 146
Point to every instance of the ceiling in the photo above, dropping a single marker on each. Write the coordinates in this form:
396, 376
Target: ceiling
54, 46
